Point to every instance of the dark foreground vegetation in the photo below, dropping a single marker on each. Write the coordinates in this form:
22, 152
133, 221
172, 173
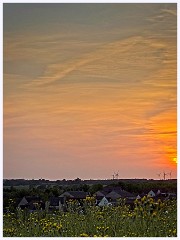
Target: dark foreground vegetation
147, 219
145, 216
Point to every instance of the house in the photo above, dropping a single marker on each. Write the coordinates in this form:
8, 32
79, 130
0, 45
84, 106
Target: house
172, 196
151, 194
113, 193
158, 192
106, 190
23, 203
31, 202
103, 202
120, 193
167, 195
54, 203
109, 189
99, 195
138, 197
76, 195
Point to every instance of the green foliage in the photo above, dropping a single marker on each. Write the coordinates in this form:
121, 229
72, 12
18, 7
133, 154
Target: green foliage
139, 187
147, 219
96, 187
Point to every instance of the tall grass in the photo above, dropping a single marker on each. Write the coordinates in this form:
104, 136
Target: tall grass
147, 219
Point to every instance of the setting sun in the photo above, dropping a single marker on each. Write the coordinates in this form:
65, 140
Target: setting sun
175, 160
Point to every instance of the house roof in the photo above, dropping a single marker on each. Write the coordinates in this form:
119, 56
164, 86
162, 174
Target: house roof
103, 202
74, 194
117, 192
138, 197
27, 199
109, 189
126, 194
99, 194
151, 194
23, 202
113, 195
120, 193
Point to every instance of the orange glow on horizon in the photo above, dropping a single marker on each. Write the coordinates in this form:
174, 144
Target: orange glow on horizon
175, 160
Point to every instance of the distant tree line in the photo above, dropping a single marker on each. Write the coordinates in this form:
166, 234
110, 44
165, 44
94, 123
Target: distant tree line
140, 187
77, 181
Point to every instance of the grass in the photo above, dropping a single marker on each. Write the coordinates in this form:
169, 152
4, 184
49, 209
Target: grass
147, 219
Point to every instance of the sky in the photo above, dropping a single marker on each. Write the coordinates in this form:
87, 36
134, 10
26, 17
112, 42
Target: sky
89, 90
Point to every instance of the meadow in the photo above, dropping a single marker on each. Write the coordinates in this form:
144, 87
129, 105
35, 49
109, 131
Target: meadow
147, 219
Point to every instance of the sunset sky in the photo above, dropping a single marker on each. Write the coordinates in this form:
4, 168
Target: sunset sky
89, 89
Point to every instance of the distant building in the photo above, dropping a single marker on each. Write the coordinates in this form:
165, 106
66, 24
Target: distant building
138, 197
112, 194
54, 203
76, 195
103, 202
151, 194
31, 202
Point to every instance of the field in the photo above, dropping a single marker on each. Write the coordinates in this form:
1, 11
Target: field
19, 187
147, 219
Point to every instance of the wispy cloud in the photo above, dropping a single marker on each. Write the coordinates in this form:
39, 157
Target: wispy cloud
170, 11
112, 58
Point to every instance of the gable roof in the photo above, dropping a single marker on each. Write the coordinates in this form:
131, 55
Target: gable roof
120, 193
113, 195
125, 194
151, 194
27, 199
75, 194
23, 202
109, 189
99, 194
138, 197
117, 193
103, 202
